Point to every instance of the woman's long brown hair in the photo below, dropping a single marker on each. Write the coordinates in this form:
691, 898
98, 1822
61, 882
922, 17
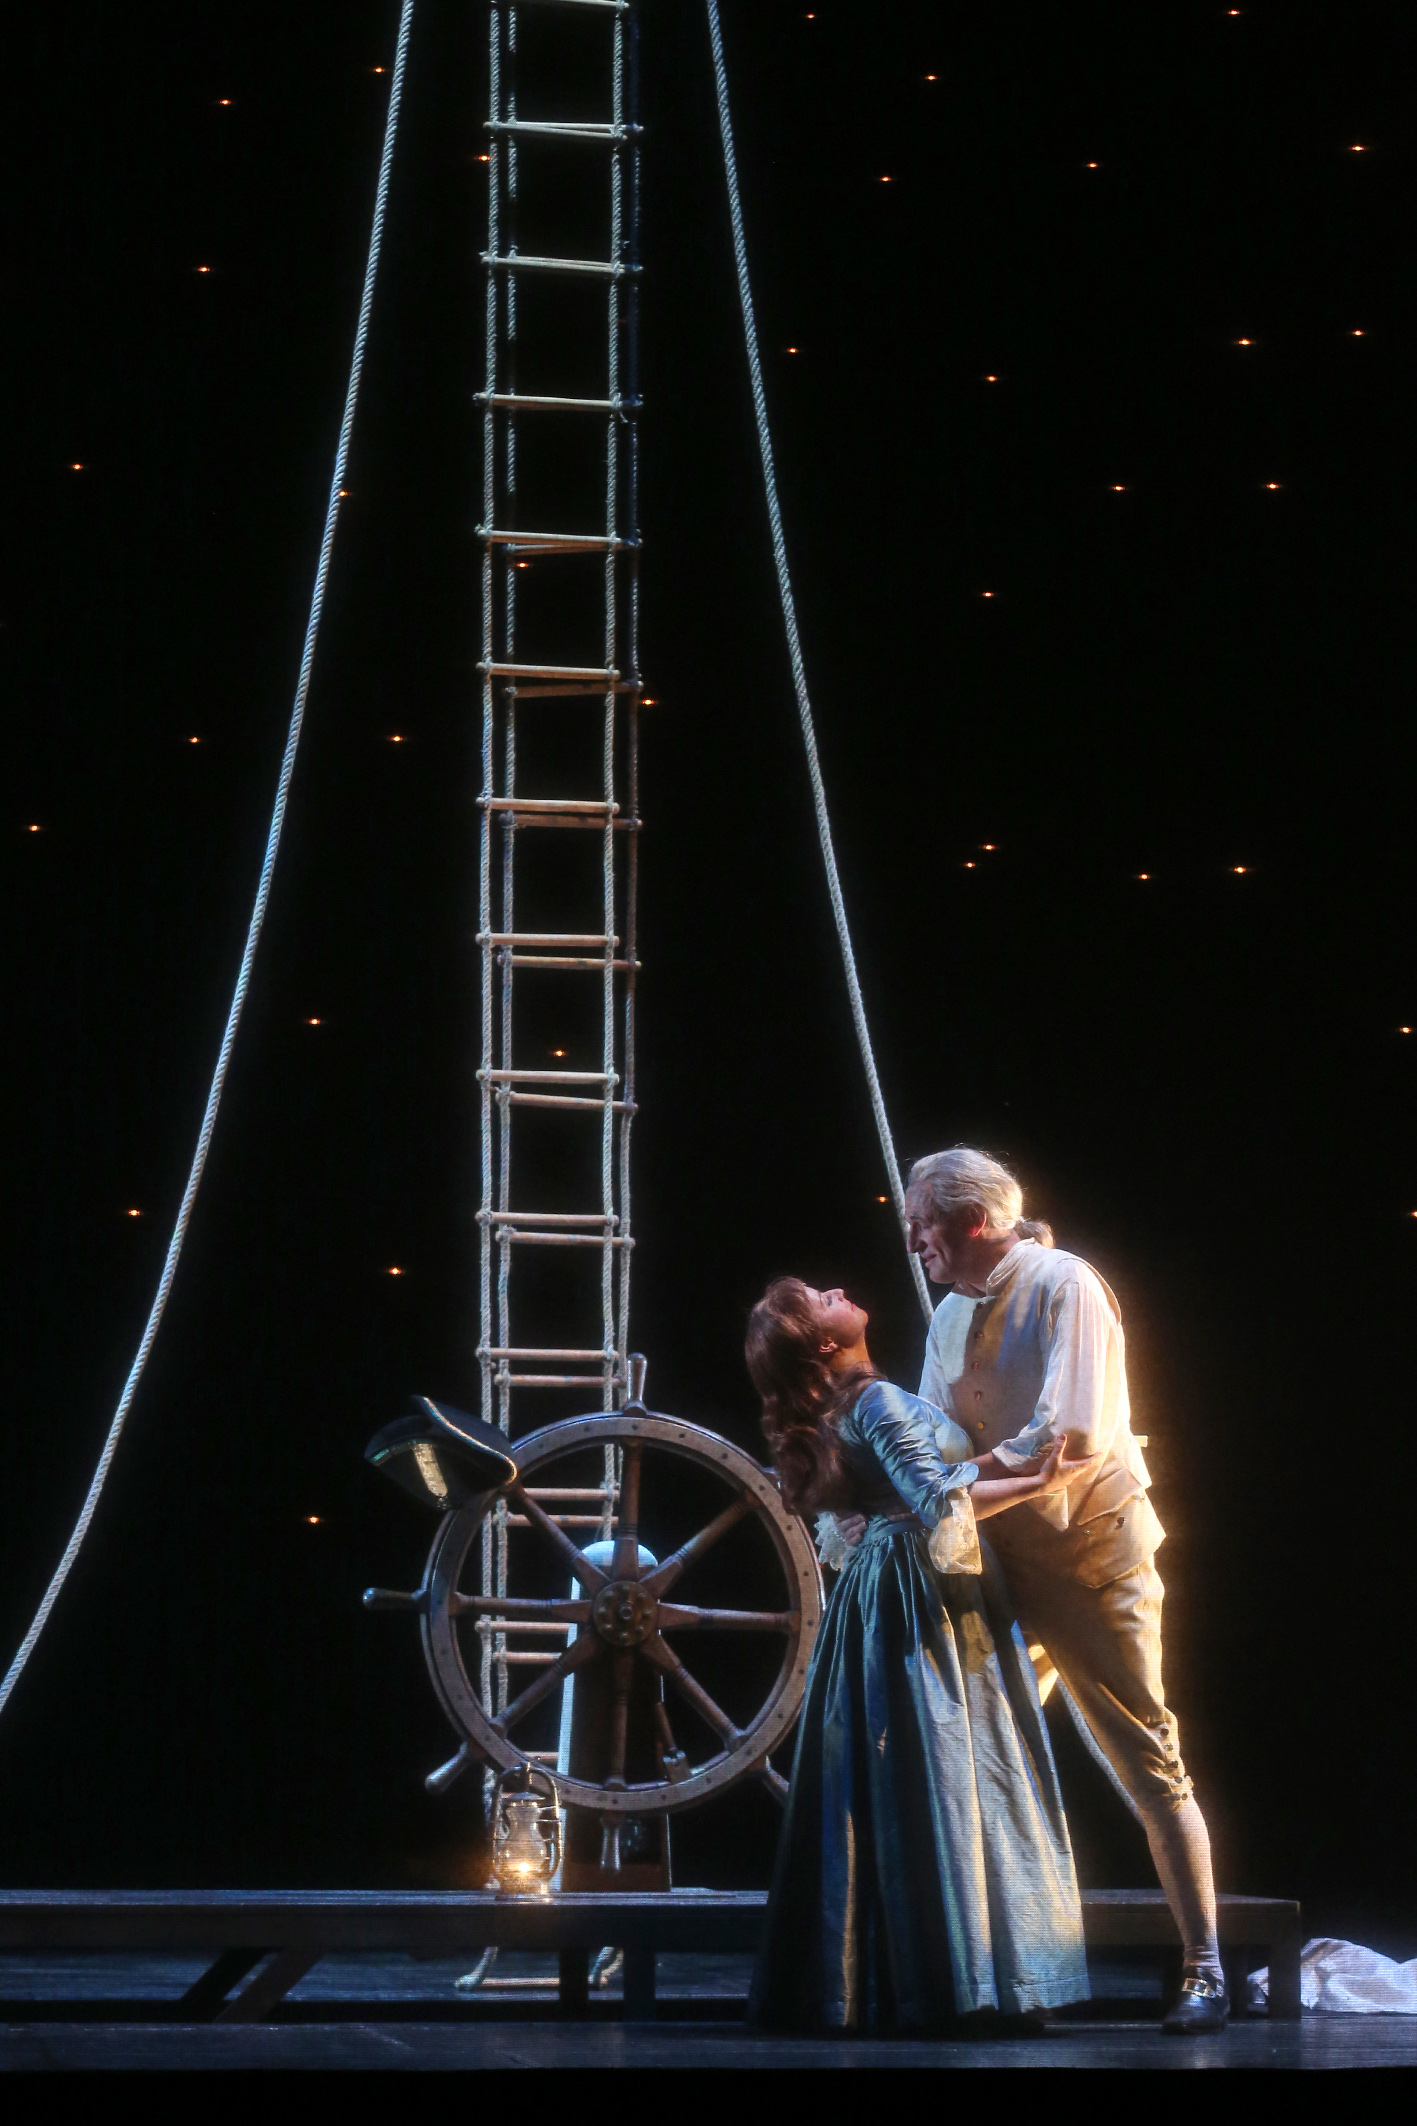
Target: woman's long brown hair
802, 1397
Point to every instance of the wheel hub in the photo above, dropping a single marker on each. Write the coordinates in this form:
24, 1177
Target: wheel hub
624, 1612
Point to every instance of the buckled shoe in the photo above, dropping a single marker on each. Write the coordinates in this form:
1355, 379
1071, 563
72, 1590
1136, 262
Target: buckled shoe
1200, 2008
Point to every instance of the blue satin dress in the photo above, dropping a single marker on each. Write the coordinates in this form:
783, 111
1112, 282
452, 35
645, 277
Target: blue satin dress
924, 1870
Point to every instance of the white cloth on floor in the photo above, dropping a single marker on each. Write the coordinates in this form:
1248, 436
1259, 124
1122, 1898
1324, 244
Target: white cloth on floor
1340, 1978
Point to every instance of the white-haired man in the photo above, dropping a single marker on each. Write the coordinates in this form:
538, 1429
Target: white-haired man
1027, 1344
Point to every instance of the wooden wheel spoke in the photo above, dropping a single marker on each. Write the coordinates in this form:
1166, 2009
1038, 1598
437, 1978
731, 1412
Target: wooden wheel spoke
575, 1561
679, 1616
580, 1650
548, 1612
691, 1692
621, 1677
662, 1579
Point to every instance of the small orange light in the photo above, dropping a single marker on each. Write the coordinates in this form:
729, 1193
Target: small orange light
989, 845
76, 468
1271, 487
223, 102
395, 1271
35, 829
1092, 166
791, 350
484, 158
1244, 343
928, 77
396, 738
1143, 874
969, 863
135, 1214
991, 380
986, 594
313, 1519
649, 701
1404, 1029
1117, 488
376, 70
558, 1051
204, 269
1239, 869
194, 741
1358, 335
314, 1022
886, 1199
885, 180
1358, 148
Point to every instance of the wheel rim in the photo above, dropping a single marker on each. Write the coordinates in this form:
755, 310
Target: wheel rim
744, 1749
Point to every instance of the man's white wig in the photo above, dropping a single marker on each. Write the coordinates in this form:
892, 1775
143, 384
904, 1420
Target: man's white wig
966, 1179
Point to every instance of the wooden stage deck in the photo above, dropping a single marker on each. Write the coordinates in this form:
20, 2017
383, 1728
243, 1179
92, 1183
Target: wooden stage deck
252, 1948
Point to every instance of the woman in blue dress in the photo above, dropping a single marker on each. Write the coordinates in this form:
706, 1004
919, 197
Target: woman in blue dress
924, 1871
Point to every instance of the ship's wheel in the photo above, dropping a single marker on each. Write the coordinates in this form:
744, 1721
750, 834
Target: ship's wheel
621, 1615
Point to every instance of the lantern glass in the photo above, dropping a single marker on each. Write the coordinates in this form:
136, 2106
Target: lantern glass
526, 1838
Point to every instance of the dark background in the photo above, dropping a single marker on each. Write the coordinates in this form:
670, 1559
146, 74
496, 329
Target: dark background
1199, 1077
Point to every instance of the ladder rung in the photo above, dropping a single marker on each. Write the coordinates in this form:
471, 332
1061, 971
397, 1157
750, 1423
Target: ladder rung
547, 1217
541, 959
562, 1520
609, 7
573, 807
574, 1494
569, 687
558, 816
535, 542
605, 269
575, 1358
564, 129
538, 402
605, 672
548, 1077
542, 937
526, 1660
508, 1236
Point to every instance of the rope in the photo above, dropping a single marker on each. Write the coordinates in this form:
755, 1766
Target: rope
263, 889
794, 651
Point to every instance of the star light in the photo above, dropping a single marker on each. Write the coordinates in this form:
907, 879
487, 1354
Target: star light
989, 845
792, 350
886, 1199
194, 741
396, 738
1357, 148
969, 863
484, 158
35, 830
1117, 488
1404, 1029
1094, 166
928, 77
1359, 334
1271, 487
76, 468
313, 1519
558, 1052
986, 594
1239, 869
223, 103
991, 380
376, 70
135, 1214
1244, 343
314, 1022
885, 180
1143, 874
395, 1271
204, 269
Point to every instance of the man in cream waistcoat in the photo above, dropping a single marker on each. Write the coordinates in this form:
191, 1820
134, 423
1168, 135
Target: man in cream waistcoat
1027, 1345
